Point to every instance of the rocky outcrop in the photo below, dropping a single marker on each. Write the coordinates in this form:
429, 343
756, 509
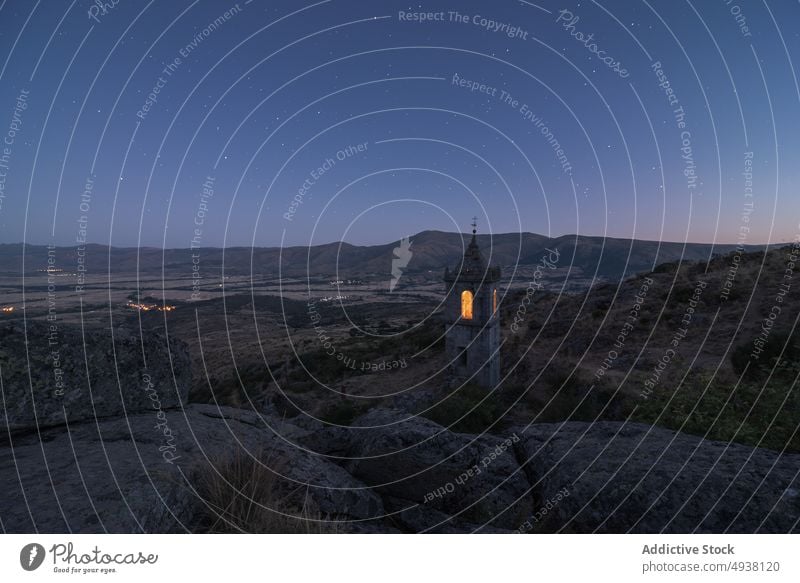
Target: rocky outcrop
324, 439
617, 477
55, 373
140, 474
433, 479
126, 465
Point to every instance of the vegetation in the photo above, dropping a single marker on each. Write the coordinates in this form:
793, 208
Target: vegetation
750, 413
463, 411
358, 351
752, 401
779, 358
573, 396
241, 493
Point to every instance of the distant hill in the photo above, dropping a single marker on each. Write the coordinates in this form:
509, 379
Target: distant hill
432, 250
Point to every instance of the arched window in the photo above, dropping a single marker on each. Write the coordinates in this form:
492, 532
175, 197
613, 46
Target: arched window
494, 300
466, 304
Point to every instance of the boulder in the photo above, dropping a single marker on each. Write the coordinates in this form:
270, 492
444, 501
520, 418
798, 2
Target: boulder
417, 518
309, 475
63, 374
440, 476
631, 477
312, 434
141, 474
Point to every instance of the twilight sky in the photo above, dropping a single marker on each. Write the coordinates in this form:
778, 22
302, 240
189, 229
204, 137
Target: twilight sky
301, 122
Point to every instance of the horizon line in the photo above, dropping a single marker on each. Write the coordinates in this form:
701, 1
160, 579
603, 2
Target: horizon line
463, 235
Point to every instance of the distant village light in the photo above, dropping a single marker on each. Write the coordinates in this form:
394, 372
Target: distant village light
149, 307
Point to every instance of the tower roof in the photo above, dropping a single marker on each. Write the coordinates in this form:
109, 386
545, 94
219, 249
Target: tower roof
473, 266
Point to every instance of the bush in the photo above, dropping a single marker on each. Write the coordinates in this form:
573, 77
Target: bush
462, 410
785, 368
329, 369
682, 294
570, 395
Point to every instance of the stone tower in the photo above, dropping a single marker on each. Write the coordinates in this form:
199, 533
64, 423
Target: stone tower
472, 319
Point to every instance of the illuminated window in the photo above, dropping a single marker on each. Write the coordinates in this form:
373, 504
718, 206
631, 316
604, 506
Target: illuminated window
466, 304
494, 301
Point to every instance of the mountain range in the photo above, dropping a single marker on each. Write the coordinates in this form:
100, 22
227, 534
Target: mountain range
431, 251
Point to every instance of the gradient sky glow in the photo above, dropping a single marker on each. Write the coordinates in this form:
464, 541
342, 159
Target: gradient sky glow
261, 101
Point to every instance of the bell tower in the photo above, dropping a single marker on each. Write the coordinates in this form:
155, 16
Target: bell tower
473, 322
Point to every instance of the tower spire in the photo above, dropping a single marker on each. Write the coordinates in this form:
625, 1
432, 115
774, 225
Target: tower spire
472, 337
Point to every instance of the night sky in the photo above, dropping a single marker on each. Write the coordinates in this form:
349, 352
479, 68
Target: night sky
295, 123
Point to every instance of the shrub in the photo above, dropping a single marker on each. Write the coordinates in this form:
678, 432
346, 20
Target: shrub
570, 395
462, 410
785, 368
682, 293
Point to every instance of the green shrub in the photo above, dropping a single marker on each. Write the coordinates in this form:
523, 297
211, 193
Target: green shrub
463, 411
785, 367
570, 395
700, 406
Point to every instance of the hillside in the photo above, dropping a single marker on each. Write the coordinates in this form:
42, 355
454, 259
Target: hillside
694, 357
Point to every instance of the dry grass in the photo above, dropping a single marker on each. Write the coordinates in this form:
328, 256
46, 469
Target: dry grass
244, 493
